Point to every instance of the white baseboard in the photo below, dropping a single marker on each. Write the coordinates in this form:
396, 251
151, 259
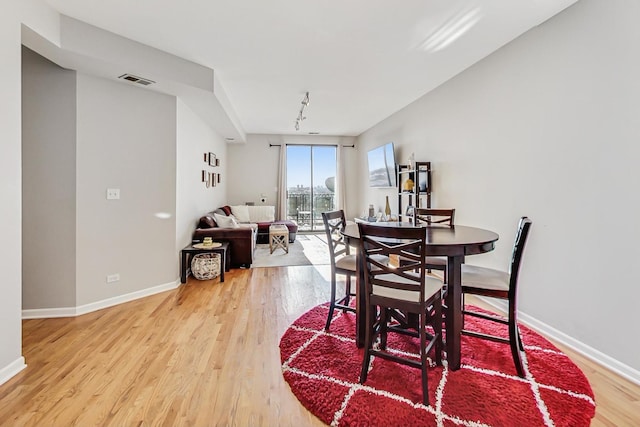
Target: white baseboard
597, 356
43, 313
12, 369
47, 313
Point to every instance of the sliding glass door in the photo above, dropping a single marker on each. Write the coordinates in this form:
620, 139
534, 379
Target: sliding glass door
311, 172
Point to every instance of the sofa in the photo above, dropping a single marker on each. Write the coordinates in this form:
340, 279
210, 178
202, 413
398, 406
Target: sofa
242, 226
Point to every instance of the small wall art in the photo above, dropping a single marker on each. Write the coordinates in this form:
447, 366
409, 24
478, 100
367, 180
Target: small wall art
210, 179
212, 160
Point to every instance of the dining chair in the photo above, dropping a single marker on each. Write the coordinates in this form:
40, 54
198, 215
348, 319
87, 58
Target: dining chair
435, 217
342, 261
487, 282
399, 292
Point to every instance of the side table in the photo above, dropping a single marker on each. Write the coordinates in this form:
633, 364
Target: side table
278, 237
191, 250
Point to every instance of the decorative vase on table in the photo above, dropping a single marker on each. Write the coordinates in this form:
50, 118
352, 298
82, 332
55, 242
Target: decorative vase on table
387, 208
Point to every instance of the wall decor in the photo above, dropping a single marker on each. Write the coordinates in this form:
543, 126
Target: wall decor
213, 160
210, 179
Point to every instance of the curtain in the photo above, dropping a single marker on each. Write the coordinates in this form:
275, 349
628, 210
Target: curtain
341, 198
281, 208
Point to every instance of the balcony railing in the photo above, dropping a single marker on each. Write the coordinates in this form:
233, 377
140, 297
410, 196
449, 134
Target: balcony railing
306, 211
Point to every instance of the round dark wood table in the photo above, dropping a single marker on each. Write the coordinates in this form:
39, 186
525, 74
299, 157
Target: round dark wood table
455, 242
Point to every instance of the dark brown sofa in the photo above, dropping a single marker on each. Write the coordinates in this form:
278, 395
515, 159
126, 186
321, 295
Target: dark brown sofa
242, 240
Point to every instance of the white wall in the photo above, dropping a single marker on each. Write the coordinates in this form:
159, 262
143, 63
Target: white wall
254, 171
255, 166
126, 140
547, 127
48, 183
42, 19
193, 198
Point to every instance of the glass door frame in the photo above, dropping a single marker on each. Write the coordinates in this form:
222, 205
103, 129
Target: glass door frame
308, 221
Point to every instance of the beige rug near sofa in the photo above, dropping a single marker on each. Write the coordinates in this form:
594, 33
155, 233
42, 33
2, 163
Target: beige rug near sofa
308, 249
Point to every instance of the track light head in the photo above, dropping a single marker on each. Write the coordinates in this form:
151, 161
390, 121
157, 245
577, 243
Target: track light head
301, 116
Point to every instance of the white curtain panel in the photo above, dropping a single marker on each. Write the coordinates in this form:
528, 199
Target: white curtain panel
282, 184
340, 195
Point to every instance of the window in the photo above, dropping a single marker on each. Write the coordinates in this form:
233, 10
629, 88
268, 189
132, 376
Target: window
311, 172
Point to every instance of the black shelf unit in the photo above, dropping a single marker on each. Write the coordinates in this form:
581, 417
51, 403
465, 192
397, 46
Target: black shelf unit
420, 195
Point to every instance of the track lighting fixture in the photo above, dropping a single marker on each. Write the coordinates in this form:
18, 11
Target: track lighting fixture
301, 116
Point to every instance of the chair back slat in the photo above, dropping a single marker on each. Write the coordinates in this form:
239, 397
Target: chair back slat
429, 216
408, 242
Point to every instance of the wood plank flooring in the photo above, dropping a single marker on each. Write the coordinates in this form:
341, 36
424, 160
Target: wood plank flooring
205, 354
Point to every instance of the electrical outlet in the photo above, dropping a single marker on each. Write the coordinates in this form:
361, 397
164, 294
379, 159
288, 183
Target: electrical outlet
113, 193
113, 278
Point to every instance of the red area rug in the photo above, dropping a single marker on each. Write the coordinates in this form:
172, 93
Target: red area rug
322, 370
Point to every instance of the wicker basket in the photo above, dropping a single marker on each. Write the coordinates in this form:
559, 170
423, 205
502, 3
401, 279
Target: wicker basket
205, 266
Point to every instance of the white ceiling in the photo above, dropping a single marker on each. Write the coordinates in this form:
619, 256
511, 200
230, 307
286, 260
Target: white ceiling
360, 60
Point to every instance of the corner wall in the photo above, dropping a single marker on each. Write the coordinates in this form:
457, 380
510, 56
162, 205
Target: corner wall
41, 18
193, 198
48, 183
126, 140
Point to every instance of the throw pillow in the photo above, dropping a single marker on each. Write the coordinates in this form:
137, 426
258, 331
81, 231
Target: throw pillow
241, 212
226, 221
207, 222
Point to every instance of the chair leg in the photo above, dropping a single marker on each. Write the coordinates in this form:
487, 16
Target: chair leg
520, 345
463, 305
423, 357
368, 344
332, 302
514, 341
437, 329
384, 322
347, 291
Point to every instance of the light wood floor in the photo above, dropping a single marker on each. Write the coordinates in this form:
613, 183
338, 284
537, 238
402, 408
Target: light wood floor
205, 354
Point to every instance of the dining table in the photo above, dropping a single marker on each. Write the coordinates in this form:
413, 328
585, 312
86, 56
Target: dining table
454, 243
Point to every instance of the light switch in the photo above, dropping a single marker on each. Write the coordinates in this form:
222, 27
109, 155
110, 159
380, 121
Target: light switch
113, 193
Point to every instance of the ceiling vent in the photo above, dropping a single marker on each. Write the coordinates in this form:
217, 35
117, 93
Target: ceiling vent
136, 79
